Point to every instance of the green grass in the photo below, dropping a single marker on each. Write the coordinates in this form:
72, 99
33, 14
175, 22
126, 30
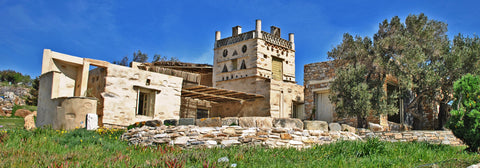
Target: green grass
82, 148
30, 108
12, 123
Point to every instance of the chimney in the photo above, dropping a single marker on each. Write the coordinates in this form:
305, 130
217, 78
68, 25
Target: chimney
275, 31
291, 38
217, 35
236, 30
258, 28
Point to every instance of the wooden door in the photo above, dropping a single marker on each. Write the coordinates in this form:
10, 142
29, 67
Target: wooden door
324, 108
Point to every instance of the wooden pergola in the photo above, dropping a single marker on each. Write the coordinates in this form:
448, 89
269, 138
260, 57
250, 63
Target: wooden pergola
216, 94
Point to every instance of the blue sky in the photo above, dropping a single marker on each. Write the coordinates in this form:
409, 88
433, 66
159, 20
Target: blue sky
110, 30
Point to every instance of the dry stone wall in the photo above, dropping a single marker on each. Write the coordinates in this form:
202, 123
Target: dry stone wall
268, 132
435, 137
194, 136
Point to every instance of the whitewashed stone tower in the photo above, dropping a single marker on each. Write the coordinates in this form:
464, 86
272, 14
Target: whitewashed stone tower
261, 63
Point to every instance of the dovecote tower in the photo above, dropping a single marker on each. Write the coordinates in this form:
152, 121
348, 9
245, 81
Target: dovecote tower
261, 63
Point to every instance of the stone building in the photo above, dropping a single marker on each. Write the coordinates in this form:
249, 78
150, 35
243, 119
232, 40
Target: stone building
119, 95
193, 75
261, 63
253, 74
317, 78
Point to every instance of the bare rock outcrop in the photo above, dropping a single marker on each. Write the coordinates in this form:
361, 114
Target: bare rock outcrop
22, 113
29, 121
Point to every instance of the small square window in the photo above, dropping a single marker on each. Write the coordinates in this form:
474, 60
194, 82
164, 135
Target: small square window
145, 102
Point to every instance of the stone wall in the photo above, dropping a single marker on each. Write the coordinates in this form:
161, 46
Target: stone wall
257, 107
316, 77
71, 112
283, 96
121, 90
96, 86
269, 132
61, 112
435, 137
189, 106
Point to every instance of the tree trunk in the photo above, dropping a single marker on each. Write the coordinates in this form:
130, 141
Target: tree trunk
361, 122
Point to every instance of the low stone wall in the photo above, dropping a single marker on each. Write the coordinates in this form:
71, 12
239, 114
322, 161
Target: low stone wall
435, 137
194, 136
266, 131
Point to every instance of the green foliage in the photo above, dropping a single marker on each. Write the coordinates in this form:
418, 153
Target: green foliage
357, 90
140, 57
14, 77
465, 118
353, 98
123, 62
33, 98
143, 57
419, 55
160, 58
359, 149
29, 108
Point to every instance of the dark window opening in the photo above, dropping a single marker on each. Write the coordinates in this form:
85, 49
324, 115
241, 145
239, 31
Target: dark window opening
225, 68
234, 64
202, 113
146, 103
243, 66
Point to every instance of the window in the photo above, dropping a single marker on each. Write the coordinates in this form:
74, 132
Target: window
234, 64
225, 68
277, 68
242, 66
294, 110
202, 113
145, 102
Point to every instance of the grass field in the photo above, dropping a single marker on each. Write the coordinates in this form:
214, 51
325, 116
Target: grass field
102, 148
11, 123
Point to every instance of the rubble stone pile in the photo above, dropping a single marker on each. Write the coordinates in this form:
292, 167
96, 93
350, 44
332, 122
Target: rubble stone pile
9, 96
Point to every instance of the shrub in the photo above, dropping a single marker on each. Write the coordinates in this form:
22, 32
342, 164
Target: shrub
465, 116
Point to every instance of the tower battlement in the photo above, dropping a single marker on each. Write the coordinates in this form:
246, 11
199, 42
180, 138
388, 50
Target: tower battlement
273, 37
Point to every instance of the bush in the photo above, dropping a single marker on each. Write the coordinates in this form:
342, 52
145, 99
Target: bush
465, 118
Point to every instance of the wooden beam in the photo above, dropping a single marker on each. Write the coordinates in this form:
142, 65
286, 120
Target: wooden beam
212, 95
